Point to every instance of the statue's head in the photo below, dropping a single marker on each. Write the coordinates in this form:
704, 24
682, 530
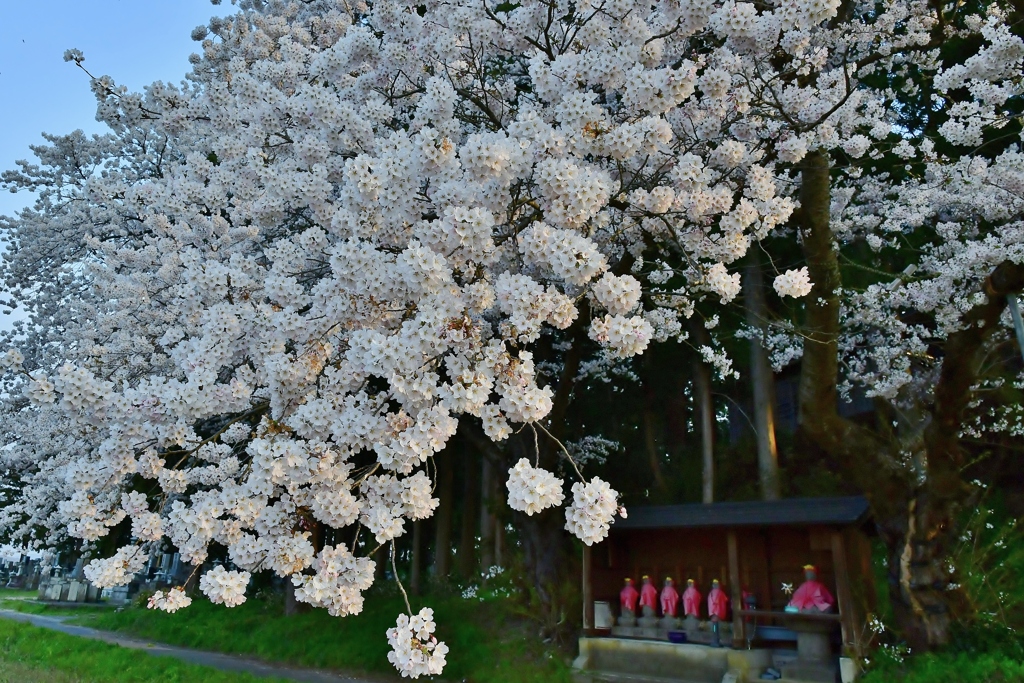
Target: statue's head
629, 582
716, 584
668, 581
810, 572
689, 583
647, 579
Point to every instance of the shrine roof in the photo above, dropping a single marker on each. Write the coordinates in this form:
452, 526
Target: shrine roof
786, 512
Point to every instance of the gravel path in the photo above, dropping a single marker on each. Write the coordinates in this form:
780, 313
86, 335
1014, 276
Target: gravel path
215, 660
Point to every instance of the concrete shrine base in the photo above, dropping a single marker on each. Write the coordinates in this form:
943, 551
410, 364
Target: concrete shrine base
696, 634
628, 660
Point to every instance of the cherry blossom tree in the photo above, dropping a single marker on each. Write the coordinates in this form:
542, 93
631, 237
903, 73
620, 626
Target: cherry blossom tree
261, 304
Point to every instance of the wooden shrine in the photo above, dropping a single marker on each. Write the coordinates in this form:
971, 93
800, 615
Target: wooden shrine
756, 549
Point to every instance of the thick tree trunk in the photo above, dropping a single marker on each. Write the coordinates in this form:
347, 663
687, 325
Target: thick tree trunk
550, 570
443, 517
926, 607
915, 511
763, 384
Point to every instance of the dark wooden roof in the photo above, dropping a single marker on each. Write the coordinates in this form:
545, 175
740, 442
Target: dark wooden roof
786, 512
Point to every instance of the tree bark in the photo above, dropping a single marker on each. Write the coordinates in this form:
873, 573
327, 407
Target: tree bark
763, 383
706, 419
650, 436
926, 607
467, 559
548, 564
416, 561
486, 517
915, 512
443, 528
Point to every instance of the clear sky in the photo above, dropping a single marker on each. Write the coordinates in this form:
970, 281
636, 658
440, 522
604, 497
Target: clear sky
135, 42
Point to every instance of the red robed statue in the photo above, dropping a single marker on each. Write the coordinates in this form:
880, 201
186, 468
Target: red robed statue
669, 598
718, 602
812, 595
649, 595
691, 599
628, 597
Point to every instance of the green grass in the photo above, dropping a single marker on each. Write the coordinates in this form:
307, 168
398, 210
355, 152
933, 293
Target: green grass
29, 654
487, 642
6, 593
941, 667
16, 672
34, 607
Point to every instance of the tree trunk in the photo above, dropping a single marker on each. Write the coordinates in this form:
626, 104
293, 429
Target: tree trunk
291, 605
546, 544
470, 513
705, 417
416, 562
499, 542
443, 517
915, 511
923, 604
650, 436
549, 571
763, 383
486, 516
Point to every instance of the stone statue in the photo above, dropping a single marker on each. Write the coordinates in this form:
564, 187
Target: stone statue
648, 596
648, 604
811, 596
718, 610
691, 599
691, 607
669, 598
669, 605
627, 601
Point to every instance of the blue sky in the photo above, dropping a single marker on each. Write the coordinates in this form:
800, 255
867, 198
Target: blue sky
135, 42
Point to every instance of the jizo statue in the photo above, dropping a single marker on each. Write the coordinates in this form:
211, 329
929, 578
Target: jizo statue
811, 596
718, 610
691, 599
628, 597
648, 597
669, 598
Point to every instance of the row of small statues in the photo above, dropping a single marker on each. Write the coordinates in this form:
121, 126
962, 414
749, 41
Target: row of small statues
811, 596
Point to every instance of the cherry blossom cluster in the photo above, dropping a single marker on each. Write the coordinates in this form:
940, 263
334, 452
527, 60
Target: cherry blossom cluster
338, 581
171, 600
415, 651
532, 489
594, 505
224, 587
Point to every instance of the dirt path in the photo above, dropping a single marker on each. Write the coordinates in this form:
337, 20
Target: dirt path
214, 660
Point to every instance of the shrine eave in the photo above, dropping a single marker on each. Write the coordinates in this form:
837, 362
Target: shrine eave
848, 510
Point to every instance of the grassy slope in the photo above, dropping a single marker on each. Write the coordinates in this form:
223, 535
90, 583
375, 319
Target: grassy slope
29, 654
487, 644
